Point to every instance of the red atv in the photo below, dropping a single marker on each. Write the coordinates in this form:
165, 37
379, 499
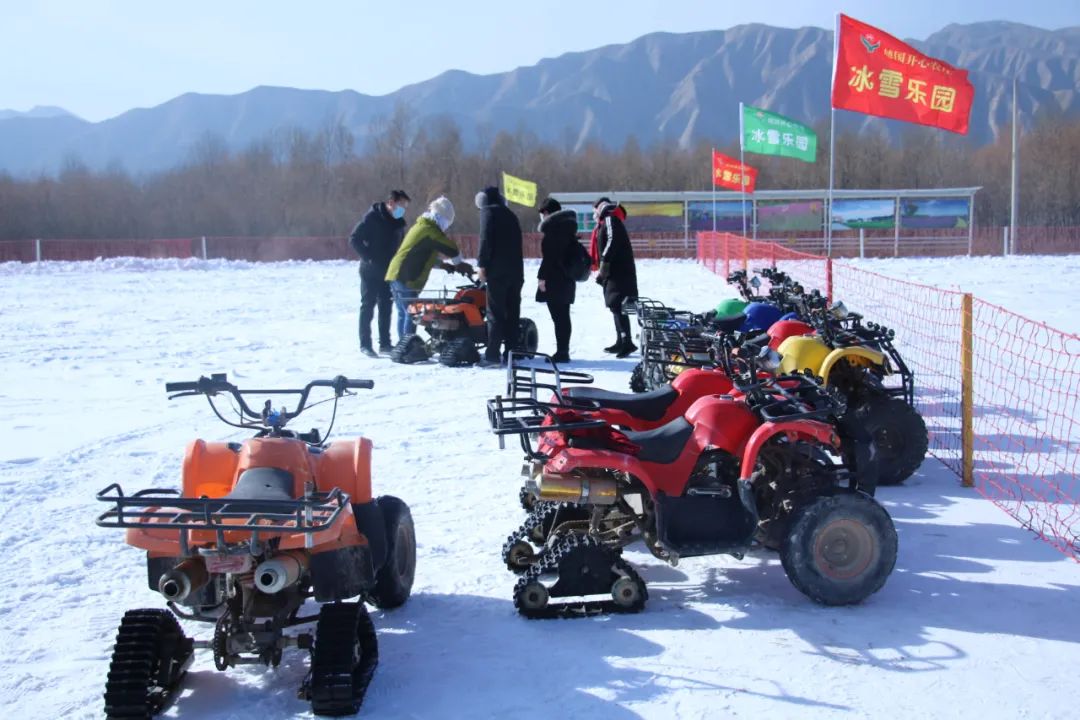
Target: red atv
734, 473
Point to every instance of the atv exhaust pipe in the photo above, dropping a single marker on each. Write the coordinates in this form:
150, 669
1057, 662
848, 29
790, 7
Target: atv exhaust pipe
281, 571
577, 489
184, 580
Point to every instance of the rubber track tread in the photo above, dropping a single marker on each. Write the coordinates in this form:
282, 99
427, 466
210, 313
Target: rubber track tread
132, 689
549, 561
541, 519
336, 686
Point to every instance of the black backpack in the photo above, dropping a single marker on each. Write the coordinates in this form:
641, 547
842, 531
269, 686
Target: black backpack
578, 261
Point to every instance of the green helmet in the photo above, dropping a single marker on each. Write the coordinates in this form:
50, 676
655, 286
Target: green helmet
730, 306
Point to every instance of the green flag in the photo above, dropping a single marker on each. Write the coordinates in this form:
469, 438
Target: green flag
767, 133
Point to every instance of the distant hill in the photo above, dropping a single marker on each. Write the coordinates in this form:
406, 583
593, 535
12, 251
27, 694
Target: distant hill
38, 111
661, 87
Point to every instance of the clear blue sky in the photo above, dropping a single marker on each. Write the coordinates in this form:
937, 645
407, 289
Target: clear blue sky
98, 58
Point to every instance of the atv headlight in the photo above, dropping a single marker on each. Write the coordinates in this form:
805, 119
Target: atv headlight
839, 310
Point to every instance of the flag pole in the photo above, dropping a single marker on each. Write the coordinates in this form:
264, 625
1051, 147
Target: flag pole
1013, 169
712, 173
832, 140
742, 169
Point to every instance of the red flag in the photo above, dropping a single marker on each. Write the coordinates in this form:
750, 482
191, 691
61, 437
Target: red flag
876, 74
732, 174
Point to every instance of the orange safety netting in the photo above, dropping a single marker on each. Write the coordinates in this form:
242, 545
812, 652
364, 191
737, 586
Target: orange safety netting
1025, 380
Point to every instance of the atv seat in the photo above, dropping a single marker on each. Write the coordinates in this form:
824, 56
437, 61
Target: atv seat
263, 483
728, 324
647, 406
664, 444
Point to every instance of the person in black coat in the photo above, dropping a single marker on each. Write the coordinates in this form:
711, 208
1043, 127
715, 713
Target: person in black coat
555, 286
375, 239
618, 274
501, 267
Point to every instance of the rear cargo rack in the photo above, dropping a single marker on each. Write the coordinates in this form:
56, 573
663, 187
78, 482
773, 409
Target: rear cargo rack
165, 509
524, 417
527, 372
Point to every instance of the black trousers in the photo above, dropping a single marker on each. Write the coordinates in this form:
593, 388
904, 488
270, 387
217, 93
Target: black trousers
560, 317
503, 317
622, 325
374, 291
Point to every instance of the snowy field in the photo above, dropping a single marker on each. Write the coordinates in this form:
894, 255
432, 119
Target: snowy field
1039, 287
979, 619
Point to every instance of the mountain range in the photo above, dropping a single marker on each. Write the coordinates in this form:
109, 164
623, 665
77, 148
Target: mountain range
662, 87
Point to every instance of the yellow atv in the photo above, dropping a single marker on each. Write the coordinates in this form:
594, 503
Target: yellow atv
861, 361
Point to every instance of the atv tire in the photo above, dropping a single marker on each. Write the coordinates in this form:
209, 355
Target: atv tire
459, 352
900, 437
150, 658
409, 350
394, 580
528, 335
839, 549
637, 378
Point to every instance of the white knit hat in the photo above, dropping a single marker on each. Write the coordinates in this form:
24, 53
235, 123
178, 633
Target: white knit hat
442, 207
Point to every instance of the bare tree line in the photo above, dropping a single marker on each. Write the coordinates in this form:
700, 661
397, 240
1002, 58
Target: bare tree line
302, 183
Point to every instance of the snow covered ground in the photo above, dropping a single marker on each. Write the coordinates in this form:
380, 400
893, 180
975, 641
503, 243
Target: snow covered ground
979, 619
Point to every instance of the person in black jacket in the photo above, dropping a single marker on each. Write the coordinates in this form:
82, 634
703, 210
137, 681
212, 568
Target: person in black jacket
375, 239
501, 267
618, 274
554, 285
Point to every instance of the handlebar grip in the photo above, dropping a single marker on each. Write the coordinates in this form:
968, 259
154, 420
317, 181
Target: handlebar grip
172, 387
360, 384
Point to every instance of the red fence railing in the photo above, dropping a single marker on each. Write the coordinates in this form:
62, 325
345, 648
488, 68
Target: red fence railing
1020, 416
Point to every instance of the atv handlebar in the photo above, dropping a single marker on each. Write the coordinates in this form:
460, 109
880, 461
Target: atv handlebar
218, 383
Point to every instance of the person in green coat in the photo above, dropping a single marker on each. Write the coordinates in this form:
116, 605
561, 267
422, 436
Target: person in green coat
419, 253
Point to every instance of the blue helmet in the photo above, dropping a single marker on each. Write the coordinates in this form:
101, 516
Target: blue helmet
760, 316
791, 316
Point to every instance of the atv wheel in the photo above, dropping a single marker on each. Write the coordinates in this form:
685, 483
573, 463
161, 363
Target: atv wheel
343, 659
527, 499
637, 378
899, 434
520, 556
410, 349
839, 550
528, 335
459, 352
394, 580
149, 660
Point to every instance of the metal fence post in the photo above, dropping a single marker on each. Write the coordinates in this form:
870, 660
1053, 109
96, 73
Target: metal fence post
204, 247
1005, 241
745, 255
37, 249
967, 372
828, 280
862, 243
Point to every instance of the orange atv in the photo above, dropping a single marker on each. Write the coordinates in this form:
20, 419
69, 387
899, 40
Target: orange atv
258, 528
456, 326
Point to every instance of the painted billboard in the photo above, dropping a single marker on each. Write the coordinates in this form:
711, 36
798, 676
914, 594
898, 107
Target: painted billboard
775, 216
728, 216
874, 214
654, 217
934, 213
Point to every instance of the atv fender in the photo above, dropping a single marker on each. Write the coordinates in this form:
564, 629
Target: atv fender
856, 355
209, 469
470, 313
795, 430
347, 465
